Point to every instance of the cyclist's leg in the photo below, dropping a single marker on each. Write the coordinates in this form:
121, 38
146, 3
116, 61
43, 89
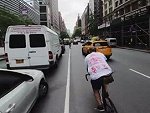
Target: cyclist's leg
96, 85
97, 96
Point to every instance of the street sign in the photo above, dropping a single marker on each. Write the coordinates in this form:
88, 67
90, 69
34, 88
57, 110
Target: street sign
24, 10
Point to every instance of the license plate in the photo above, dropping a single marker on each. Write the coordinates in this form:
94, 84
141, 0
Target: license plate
19, 61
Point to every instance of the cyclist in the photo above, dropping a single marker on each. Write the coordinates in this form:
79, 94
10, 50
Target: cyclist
97, 67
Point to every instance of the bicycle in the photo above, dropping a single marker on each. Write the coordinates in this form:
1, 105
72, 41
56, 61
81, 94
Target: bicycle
109, 106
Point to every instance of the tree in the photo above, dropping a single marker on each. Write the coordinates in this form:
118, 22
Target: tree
64, 35
7, 19
77, 32
93, 28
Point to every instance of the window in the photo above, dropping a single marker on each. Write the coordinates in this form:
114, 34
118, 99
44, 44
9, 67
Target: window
112, 40
37, 40
105, 6
106, 12
121, 1
127, 9
87, 44
42, 9
116, 4
110, 2
8, 81
121, 11
43, 23
100, 44
17, 41
43, 17
110, 9
135, 5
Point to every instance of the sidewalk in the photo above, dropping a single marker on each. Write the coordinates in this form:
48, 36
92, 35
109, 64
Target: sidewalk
142, 50
2, 53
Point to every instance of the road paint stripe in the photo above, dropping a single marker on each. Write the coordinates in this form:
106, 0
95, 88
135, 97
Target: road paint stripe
139, 73
66, 109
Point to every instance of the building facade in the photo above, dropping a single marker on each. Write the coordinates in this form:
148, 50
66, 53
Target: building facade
128, 21
54, 15
62, 26
45, 13
22, 8
85, 21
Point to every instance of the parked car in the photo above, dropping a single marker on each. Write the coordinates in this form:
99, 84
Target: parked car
82, 41
75, 41
19, 90
101, 46
66, 41
32, 46
62, 46
111, 42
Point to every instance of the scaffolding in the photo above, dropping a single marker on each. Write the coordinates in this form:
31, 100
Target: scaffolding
131, 30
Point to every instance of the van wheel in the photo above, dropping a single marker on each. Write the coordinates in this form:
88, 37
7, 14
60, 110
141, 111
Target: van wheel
60, 55
83, 52
56, 63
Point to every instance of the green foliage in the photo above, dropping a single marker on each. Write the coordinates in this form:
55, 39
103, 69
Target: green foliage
77, 32
7, 19
64, 35
93, 28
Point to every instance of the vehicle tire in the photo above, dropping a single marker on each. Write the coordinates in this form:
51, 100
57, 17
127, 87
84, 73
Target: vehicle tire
83, 52
56, 63
43, 89
109, 106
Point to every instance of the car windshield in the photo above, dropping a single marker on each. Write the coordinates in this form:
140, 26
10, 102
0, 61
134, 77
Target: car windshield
100, 44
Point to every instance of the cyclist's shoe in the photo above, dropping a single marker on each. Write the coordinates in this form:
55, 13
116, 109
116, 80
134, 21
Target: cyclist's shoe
106, 94
100, 107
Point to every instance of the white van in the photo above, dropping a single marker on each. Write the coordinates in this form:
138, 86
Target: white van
111, 42
32, 46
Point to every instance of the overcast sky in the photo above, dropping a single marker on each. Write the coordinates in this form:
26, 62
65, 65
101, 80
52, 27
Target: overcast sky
70, 10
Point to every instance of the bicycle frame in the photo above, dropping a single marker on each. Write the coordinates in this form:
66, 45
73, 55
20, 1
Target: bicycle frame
108, 104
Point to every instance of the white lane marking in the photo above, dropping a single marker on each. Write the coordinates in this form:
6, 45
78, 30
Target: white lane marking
66, 108
139, 73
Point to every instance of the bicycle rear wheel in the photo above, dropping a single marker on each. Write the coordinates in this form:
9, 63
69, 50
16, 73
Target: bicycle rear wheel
109, 106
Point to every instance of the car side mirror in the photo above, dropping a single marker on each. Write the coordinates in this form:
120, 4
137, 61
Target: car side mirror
28, 78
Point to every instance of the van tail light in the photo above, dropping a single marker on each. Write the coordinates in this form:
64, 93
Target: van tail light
50, 55
6, 57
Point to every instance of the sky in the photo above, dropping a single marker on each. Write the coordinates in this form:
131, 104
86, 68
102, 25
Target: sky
70, 10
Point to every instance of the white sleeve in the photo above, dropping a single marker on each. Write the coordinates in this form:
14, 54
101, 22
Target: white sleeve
102, 56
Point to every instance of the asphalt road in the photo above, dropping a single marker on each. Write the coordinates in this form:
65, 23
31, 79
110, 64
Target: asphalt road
130, 91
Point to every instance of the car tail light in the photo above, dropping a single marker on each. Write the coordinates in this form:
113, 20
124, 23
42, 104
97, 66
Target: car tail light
50, 55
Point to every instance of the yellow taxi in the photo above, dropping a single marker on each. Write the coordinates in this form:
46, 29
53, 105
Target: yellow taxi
100, 45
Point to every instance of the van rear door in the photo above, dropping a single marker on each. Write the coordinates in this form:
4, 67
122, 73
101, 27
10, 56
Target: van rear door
18, 51
38, 51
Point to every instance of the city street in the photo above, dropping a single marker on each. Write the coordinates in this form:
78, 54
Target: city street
130, 91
